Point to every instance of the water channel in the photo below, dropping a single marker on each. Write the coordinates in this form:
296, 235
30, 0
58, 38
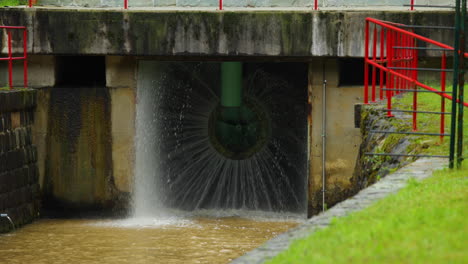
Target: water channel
192, 201
197, 240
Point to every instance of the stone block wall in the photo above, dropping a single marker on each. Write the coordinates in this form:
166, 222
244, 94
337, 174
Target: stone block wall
19, 188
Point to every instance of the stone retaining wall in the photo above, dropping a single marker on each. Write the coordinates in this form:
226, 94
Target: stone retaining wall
19, 188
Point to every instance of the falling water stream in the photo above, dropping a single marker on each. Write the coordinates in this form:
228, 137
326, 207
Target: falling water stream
191, 204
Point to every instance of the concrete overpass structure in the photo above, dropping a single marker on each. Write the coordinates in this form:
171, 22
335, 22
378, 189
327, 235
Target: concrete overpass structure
86, 134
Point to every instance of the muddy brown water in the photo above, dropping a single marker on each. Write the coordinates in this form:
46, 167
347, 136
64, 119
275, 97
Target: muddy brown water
202, 240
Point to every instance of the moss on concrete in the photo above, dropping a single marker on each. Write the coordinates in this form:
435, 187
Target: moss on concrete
207, 33
371, 168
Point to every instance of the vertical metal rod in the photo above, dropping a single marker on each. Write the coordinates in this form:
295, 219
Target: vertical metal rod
408, 60
25, 60
125, 4
404, 65
382, 34
456, 61
374, 58
394, 56
316, 5
412, 5
415, 108
461, 83
324, 138
398, 63
10, 62
443, 77
415, 94
220, 4
388, 64
401, 53
366, 65
391, 77
403, 62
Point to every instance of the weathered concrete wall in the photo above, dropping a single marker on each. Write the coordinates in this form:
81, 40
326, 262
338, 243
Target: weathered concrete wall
206, 33
19, 188
79, 161
238, 3
342, 138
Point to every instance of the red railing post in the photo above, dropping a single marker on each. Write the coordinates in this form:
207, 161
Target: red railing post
398, 62
374, 58
220, 4
387, 84
412, 5
382, 40
125, 4
442, 88
405, 61
391, 78
25, 60
30, 3
10, 62
366, 65
316, 5
415, 93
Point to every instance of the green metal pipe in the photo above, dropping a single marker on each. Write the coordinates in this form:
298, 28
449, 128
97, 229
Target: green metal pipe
461, 84
456, 61
231, 84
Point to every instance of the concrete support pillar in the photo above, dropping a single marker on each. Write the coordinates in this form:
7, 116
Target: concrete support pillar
121, 82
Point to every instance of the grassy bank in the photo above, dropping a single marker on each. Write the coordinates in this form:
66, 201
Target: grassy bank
9, 2
424, 223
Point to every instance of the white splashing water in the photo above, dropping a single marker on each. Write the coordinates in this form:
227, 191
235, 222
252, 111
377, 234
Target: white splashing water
148, 208
176, 165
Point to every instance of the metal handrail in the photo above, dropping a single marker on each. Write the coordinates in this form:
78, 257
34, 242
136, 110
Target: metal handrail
10, 57
398, 60
393, 52
220, 6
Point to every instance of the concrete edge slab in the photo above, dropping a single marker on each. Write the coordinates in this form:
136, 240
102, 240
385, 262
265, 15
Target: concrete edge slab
390, 184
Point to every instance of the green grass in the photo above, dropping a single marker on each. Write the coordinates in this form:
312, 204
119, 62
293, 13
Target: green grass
9, 2
426, 222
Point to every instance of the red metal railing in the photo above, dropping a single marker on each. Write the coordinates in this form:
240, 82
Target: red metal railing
392, 53
221, 4
10, 57
31, 2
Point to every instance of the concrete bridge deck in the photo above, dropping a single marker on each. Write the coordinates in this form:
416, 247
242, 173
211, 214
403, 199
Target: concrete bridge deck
294, 32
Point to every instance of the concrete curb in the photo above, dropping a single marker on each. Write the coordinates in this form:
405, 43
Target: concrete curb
390, 184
